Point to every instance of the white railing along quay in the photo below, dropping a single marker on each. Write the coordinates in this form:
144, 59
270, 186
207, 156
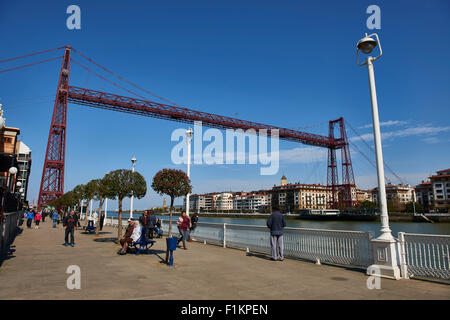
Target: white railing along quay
424, 255
348, 248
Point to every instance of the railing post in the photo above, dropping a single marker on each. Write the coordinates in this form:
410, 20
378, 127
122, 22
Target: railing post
224, 235
403, 265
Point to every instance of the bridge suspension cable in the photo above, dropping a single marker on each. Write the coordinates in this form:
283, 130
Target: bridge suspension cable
403, 181
105, 79
123, 79
30, 54
30, 64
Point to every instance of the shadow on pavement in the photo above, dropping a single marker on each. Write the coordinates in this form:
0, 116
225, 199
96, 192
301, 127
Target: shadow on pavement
113, 240
259, 255
8, 253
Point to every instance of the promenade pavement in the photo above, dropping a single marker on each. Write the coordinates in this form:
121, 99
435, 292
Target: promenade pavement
37, 266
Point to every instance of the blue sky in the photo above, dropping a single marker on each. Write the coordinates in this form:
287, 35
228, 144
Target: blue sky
283, 63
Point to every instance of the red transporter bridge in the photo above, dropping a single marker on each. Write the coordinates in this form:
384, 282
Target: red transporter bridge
52, 183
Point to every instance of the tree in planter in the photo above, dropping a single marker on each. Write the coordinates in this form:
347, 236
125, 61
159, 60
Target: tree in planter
123, 183
100, 194
174, 183
89, 190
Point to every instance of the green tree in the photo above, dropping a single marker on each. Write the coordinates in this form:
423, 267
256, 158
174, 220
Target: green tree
123, 183
366, 204
410, 207
79, 192
174, 183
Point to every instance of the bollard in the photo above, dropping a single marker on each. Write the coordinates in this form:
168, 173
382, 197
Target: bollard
204, 241
318, 261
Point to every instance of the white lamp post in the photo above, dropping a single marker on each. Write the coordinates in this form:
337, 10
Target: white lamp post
106, 210
2, 120
189, 134
384, 247
133, 161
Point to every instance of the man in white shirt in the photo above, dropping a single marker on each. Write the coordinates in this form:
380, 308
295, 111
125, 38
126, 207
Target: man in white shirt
136, 231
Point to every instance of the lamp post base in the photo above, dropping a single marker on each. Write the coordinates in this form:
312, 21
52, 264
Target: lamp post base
385, 259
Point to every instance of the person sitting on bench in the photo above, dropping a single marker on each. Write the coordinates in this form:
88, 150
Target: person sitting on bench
158, 229
132, 234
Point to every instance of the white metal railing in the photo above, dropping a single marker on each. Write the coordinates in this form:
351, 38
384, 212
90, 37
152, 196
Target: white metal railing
424, 255
349, 248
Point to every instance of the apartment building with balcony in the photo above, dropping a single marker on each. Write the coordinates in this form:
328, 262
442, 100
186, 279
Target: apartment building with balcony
440, 184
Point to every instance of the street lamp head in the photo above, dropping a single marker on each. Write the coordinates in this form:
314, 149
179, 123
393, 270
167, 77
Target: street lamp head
133, 160
19, 184
366, 44
13, 170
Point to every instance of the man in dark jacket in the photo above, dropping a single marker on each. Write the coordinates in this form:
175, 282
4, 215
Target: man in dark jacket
276, 224
145, 223
70, 223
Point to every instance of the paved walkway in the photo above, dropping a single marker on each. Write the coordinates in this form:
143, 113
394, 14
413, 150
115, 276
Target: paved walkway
36, 269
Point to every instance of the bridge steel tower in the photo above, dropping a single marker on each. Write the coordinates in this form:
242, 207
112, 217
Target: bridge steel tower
341, 194
52, 182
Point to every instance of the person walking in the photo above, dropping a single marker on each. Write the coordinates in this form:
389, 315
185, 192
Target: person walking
30, 217
276, 224
184, 228
37, 219
102, 220
55, 217
70, 224
194, 221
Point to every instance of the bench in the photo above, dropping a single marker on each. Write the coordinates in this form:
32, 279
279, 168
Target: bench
90, 228
143, 244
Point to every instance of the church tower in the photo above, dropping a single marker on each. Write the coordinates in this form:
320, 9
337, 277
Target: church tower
283, 180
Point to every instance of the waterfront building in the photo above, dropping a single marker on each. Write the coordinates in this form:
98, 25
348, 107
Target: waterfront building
8, 155
223, 201
364, 195
250, 201
424, 195
440, 183
299, 196
398, 195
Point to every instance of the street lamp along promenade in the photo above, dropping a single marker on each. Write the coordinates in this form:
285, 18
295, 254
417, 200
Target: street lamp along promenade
384, 247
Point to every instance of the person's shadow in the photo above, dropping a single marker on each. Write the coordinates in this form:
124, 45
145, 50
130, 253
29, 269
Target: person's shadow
258, 255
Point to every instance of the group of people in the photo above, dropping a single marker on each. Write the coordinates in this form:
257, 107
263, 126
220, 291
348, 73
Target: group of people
33, 215
150, 225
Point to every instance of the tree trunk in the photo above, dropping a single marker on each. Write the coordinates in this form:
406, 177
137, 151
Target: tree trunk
170, 228
86, 214
119, 226
97, 224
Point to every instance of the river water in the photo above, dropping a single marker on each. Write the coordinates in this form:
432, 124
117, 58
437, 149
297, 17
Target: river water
442, 228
